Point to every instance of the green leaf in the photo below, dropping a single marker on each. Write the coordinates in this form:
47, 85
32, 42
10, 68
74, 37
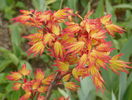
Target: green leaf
50, 1
111, 79
4, 64
87, 8
124, 6
3, 50
13, 58
8, 88
55, 94
9, 12
110, 10
86, 85
9, 56
101, 95
1, 96
127, 51
63, 92
15, 30
45, 58
127, 95
39, 4
3, 4
15, 95
20, 4
56, 5
3, 78
113, 96
129, 79
72, 4
100, 9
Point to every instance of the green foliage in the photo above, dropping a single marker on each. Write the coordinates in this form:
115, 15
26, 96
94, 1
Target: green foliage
39, 4
8, 7
87, 85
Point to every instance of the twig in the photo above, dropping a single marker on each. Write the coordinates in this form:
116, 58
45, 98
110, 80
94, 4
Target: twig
53, 83
51, 86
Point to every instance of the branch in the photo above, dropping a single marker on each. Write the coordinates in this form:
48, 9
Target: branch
58, 77
51, 86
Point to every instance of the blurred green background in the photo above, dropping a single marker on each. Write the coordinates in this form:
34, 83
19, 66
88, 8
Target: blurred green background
13, 47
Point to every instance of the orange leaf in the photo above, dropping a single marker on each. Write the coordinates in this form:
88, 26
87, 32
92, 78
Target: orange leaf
98, 81
48, 38
41, 98
75, 47
16, 86
34, 38
58, 49
42, 89
24, 71
78, 72
72, 28
62, 13
26, 96
71, 86
15, 76
45, 16
39, 74
106, 19
55, 29
118, 65
66, 77
111, 28
36, 84
104, 47
63, 66
98, 34
36, 48
48, 79
27, 12
82, 60
93, 70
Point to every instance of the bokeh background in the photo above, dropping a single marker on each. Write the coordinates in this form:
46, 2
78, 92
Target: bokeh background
13, 47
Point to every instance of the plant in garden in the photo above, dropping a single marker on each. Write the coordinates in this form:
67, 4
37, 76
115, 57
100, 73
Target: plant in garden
79, 50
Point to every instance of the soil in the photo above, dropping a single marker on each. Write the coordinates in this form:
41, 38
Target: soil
4, 34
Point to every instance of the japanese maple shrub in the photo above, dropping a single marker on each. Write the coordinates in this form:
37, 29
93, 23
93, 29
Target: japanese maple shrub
82, 45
